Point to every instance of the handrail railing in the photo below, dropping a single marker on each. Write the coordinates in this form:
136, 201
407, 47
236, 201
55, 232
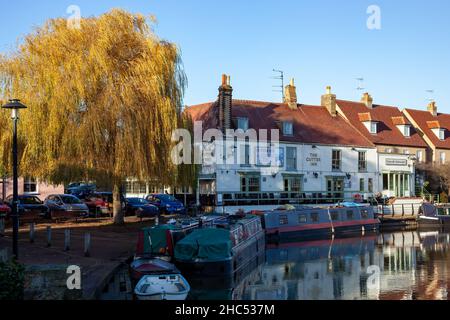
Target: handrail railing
281, 198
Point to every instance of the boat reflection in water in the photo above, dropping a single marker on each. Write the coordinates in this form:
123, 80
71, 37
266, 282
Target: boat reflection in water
393, 266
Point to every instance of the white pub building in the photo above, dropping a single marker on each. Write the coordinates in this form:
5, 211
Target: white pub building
323, 157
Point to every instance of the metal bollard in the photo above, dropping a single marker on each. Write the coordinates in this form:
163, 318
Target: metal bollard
2, 227
87, 244
49, 236
3, 256
67, 240
32, 232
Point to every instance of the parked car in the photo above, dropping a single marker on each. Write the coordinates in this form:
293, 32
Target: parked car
101, 203
80, 190
140, 207
67, 203
5, 210
30, 204
167, 204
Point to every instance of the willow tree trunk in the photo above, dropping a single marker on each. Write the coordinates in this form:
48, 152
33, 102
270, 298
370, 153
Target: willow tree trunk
117, 205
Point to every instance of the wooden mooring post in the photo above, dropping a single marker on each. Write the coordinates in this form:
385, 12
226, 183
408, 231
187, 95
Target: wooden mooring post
49, 236
87, 244
67, 240
3, 255
32, 232
2, 227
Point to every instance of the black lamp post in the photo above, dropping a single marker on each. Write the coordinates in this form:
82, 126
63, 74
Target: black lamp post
14, 105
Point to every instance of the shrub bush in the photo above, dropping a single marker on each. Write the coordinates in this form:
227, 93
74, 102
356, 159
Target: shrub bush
11, 281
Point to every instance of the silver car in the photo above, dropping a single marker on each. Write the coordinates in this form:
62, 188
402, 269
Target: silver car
67, 203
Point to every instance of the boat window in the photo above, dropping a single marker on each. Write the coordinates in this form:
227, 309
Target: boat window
283, 219
302, 218
350, 215
364, 214
334, 215
315, 217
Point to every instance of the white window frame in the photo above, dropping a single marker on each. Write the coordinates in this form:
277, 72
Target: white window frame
288, 128
419, 155
442, 157
441, 134
407, 131
362, 161
373, 127
336, 164
242, 123
30, 181
295, 159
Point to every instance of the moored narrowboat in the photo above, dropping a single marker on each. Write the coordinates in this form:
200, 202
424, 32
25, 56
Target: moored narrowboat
222, 250
308, 222
159, 241
433, 216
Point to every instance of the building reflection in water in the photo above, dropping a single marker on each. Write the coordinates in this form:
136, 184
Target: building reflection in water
412, 265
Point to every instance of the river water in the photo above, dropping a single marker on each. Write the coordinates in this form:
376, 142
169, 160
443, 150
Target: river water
390, 266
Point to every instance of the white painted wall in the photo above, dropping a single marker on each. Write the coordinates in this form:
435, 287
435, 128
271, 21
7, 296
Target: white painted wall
310, 160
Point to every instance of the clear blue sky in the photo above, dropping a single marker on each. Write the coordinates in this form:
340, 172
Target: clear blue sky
319, 43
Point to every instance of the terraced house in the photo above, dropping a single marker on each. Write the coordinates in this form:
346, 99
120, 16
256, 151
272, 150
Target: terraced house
433, 127
399, 145
323, 156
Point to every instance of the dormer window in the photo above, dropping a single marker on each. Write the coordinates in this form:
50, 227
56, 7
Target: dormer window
405, 129
288, 129
442, 134
438, 131
242, 124
373, 127
403, 125
369, 122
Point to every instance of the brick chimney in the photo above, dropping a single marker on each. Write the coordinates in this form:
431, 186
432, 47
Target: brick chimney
290, 95
432, 108
367, 100
329, 102
225, 102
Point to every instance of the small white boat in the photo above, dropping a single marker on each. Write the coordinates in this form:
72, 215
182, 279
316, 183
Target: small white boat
162, 287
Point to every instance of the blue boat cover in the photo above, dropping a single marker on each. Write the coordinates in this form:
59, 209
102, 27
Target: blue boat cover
155, 238
210, 244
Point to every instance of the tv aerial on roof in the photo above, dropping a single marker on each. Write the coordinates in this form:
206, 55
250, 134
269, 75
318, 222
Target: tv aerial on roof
279, 88
360, 84
431, 94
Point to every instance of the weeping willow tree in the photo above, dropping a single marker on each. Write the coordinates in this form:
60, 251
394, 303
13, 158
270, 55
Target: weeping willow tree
102, 101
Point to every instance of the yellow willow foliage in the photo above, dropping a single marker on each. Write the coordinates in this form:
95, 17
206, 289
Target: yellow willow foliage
102, 101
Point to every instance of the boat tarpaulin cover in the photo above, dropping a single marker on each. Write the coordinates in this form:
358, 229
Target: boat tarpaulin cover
207, 244
155, 238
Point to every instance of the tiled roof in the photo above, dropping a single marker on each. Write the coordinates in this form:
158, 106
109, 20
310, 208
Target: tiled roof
421, 118
388, 133
399, 121
312, 124
433, 124
364, 117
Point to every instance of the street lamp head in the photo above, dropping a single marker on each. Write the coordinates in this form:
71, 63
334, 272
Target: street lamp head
14, 104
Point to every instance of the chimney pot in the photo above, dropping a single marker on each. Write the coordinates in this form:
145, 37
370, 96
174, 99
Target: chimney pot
432, 108
224, 79
290, 92
225, 103
367, 100
329, 102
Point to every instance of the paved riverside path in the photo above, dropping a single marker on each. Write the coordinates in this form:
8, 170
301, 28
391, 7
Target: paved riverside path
111, 246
